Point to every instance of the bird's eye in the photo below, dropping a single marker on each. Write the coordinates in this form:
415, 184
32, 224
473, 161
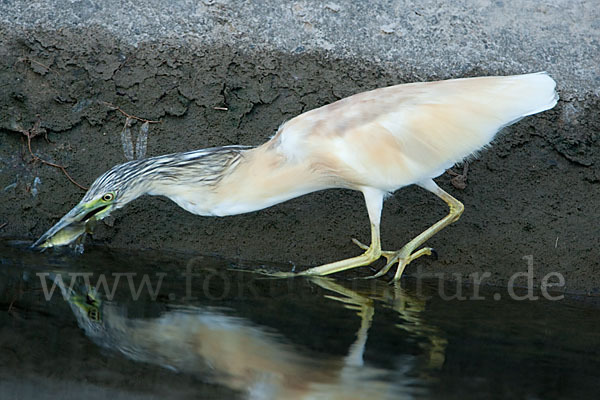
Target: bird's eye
108, 197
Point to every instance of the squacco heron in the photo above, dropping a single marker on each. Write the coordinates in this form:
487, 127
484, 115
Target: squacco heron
375, 142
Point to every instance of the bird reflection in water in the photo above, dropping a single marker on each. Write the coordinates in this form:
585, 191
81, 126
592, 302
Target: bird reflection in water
260, 363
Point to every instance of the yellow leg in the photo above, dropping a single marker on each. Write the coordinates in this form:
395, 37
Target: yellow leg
391, 256
372, 253
407, 254
374, 202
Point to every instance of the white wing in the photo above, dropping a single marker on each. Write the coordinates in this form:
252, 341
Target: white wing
399, 135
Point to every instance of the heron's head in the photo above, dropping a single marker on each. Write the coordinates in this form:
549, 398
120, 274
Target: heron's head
167, 175
112, 190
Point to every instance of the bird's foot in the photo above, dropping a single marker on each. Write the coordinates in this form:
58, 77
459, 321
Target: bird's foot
371, 254
403, 257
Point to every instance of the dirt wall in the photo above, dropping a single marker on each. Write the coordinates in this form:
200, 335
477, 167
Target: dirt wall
535, 192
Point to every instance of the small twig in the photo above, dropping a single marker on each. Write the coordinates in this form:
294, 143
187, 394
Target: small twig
39, 63
63, 169
221, 108
3, 225
24, 58
129, 115
35, 131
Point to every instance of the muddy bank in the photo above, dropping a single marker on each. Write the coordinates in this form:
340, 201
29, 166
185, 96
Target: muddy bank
535, 192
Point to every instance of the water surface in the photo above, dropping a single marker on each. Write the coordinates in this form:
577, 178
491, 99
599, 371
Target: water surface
189, 327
